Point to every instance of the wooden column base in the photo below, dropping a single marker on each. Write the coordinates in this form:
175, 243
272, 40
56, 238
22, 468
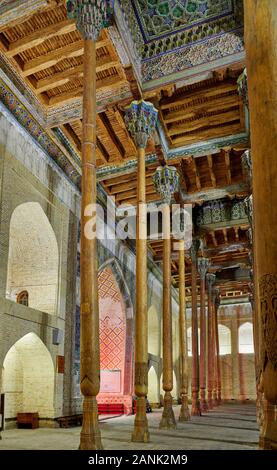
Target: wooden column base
90, 438
268, 432
195, 408
168, 417
184, 411
141, 433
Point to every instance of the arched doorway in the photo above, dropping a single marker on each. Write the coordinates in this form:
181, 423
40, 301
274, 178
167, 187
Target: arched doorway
153, 386
33, 264
153, 332
116, 339
154, 352
28, 379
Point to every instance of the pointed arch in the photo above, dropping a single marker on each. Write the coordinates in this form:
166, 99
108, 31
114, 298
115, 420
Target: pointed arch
28, 378
116, 323
33, 261
246, 342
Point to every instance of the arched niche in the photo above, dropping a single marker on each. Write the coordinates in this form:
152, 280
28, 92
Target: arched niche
33, 262
116, 336
153, 331
28, 379
224, 339
246, 343
153, 386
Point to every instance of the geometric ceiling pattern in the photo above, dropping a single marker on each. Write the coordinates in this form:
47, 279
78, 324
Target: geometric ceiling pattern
158, 18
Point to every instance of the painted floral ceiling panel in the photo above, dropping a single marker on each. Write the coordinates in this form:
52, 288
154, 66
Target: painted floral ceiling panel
158, 18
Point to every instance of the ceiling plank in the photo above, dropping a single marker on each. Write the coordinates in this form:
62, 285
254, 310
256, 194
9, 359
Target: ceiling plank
77, 93
219, 102
206, 121
213, 90
223, 130
61, 78
45, 61
38, 37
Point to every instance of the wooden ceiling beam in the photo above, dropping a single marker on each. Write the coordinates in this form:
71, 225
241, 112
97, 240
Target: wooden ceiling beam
72, 137
212, 175
214, 90
219, 102
40, 36
100, 149
61, 78
77, 93
121, 188
206, 121
228, 169
196, 173
226, 129
106, 130
45, 61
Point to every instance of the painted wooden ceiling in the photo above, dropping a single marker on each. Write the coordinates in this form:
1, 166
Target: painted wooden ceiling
41, 53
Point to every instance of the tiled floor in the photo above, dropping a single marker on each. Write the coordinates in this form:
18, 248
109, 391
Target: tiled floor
228, 427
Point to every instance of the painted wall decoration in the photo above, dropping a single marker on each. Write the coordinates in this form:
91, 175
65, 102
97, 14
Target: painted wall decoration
112, 325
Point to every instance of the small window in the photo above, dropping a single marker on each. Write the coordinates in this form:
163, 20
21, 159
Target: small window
23, 298
246, 344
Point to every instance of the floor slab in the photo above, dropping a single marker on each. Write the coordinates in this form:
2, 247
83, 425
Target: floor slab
228, 427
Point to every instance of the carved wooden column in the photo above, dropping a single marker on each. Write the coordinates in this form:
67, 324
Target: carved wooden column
203, 264
261, 59
195, 408
166, 181
217, 356
140, 118
210, 282
184, 411
90, 19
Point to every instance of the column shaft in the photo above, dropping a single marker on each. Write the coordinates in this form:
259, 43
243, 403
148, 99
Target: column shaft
90, 438
141, 433
168, 419
261, 59
195, 409
203, 402
184, 411
218, 371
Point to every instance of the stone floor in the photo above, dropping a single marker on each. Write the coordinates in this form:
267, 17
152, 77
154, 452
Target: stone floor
229, 427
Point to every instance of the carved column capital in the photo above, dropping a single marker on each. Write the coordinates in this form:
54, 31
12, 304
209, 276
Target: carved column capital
203, 265
141, 118
195, 245
211, 278
216, 296
91, 16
